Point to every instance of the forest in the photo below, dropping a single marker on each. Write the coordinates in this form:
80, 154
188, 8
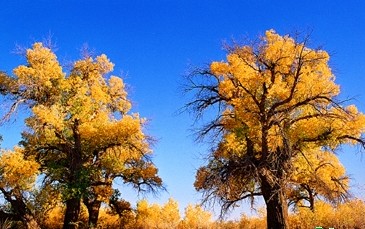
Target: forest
271, 113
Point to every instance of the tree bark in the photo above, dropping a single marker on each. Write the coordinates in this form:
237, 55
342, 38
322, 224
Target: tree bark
73, 205
93, 208
72, 213
22, 212
276, 206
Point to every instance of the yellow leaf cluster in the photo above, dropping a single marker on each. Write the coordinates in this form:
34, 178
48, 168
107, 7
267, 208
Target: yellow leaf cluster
156, 216
16, 171
103, 192
322, 171
118, 95
83, 114
42, 76
346, 215
196, 217
282, 82
107, 220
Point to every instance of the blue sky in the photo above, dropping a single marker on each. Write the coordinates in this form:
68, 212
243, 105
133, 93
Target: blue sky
153, 43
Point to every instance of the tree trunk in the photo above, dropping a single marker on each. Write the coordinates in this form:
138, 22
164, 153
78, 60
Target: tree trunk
73, 205
72, 213
276, 206
8, 216
22, 212
93, 208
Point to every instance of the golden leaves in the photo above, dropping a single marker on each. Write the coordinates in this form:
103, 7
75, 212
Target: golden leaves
52, 116
321, 170
277, 111
81, 118
345, 215
86, 96
42, 76
282, 80
156, 216
196, 217
219, 68
118, 95
16, 171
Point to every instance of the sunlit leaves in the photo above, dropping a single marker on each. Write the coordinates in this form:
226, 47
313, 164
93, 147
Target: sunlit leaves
317, 174
278, 111
283, 79
81, 130
196, 217
346, 215
156, 216
16, 171
41, 78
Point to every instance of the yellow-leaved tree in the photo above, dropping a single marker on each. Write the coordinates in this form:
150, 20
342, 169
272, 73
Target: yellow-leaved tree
17, 180
157, 216
276, 101
196, 217
317, 174
80, 129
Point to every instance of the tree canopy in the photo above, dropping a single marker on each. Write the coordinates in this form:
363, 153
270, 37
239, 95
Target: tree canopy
80, 129
278, 123
276, 101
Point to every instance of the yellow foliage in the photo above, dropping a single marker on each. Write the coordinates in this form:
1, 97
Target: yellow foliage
242, 81
346, 215
118, 95
42, 76
251, 222
196, 217
107, 220
283, 92
80, 129
54, 218
16, 171
278, 112
322, 172
156, 216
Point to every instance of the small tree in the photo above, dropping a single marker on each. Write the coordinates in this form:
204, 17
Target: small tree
157, 216
276, 100
196, 217
17, 181
317, 175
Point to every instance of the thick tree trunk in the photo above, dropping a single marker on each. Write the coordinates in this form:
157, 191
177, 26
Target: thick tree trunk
276, 206
93, 207
73, 205
72, 213
22, 212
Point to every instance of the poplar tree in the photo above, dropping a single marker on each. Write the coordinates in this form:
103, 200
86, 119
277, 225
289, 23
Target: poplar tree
276, 100
80, 129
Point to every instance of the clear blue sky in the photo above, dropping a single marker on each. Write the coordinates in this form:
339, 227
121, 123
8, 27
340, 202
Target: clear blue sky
153, 43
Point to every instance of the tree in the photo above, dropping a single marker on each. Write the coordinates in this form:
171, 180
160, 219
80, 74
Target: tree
46, 202
109, 220
196, 217
17, 179
317, 174
156, 216
80, 129
276, 99
170, 214
343, 215
122, 209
